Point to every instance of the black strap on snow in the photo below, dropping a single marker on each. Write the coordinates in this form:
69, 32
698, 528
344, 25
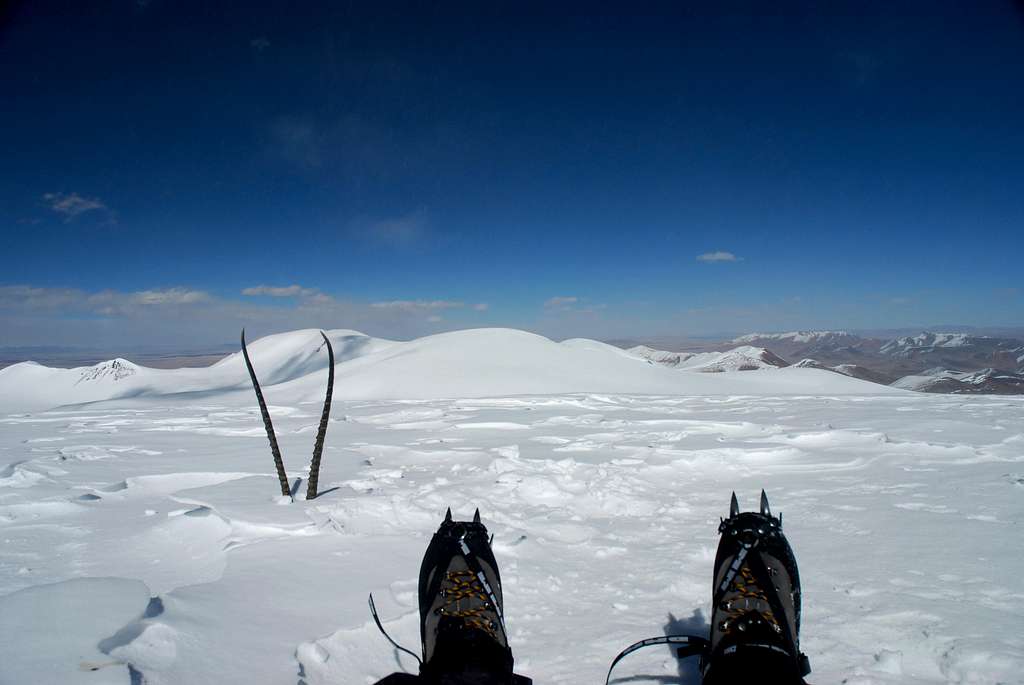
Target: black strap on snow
380, 627
691, 645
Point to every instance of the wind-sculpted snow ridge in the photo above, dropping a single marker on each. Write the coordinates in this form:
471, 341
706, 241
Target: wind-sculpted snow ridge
144, 540
283, 357
470, 363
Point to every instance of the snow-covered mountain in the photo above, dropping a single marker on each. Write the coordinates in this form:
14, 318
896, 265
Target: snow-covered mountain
927, 341
279, 358
470, 363
877, 360
958, 351
803, 337
829, 347
986, 381
114, 369
743, 358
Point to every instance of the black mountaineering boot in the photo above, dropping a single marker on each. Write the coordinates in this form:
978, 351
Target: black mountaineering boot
462, 627
755, 615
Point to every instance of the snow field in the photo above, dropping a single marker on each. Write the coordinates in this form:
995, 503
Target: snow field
151, 533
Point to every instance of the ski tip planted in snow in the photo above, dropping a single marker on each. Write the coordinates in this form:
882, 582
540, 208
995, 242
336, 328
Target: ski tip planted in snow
734, 506
765, 509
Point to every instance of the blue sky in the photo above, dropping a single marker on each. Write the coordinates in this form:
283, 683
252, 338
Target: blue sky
177, 170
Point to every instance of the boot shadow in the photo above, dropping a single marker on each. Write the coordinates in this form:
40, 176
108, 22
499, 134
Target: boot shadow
696, 624
689, 672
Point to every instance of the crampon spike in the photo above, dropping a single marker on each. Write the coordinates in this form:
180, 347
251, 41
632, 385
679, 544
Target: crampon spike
734, 506
765, 509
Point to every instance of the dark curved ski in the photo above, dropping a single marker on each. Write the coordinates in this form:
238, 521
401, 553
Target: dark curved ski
267, 423
318, 446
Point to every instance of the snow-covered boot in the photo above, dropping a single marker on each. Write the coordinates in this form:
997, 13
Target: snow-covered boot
755, 615
462, 627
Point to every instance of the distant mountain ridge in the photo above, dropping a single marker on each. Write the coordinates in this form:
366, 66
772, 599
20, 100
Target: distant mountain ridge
851, 370
986, 381
744, 358
795, 336
929, 361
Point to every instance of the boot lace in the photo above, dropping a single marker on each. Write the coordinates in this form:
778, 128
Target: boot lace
464, 598
750, 597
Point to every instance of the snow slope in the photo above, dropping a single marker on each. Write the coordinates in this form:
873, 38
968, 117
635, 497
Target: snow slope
470, 363
278, 358
145, 540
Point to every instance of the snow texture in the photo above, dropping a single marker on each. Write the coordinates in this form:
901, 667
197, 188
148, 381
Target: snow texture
144, 541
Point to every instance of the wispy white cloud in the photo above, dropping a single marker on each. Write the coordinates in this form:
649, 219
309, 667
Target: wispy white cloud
188, 317
719, 256
28, 297
72, 205
293, 290
561, 301
169, 296
62, 302
572, 304
418, 305
481, 307
396, 231
319, 299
